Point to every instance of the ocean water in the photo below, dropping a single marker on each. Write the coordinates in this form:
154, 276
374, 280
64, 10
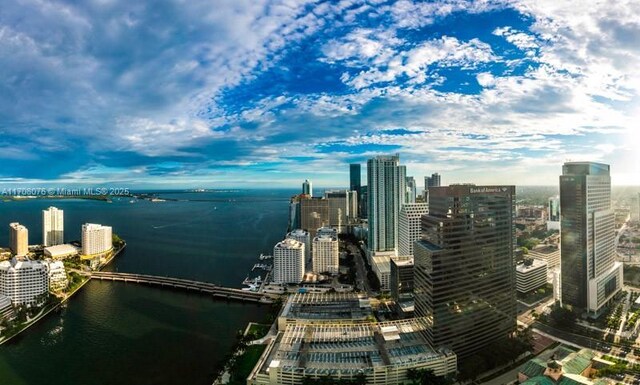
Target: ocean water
118, 333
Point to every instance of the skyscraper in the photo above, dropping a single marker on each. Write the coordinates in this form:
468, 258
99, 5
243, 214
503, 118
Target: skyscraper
307, 187
355, 177
590, 274
338, 201
411, 190
387, 187
409, 227
52, 226
554, 209
288, 261
19, 236
96, 239
314, 213
430, 181
325, 253
465, 267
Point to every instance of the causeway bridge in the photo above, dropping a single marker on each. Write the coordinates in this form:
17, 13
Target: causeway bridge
178, 283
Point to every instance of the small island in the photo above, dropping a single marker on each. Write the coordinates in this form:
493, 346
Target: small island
41, 278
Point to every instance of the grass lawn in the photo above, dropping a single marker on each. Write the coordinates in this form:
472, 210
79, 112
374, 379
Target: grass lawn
258, 330
245, 363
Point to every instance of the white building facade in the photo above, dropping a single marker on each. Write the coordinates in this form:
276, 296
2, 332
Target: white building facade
57, 275
302, 237
96, 239
52, 227
326, 258
288, 261
409, 228
531, 277
386, 180
23, 281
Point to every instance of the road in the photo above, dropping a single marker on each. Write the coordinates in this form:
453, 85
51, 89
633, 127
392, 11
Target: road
362, 281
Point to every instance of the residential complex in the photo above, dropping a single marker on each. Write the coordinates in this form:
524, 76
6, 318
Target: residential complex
304, 238
326, 258
52, 226
590, 274
23, 281
97, 240
465, 267
386, 180
57, 275
530, 275
409, 226
19, 238
288, 261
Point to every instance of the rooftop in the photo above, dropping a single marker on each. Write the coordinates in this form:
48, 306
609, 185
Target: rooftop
536, 264
335, 306
325, 349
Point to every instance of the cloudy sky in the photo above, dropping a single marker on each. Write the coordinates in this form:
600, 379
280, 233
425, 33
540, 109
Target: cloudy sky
267, 93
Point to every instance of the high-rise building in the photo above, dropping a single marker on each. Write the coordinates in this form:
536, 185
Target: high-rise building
465, 267
355, 177
553, 213
19, 236
411, 190
338, 201
363, 212
353, 201
590, 274
325, 254
302, 237
96, 240
52, 227
386, 180
24, 281
401, 279
57, 275
307, 187
288, 261
430, 181
409, 226
314, 213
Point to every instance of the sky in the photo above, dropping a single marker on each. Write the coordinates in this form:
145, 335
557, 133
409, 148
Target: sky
260, 93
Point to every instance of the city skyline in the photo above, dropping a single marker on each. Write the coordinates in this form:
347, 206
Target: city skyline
242, 94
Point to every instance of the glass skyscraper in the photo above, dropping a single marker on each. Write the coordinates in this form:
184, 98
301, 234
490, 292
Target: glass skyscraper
355, 177
590, 274
386, 181
465, 267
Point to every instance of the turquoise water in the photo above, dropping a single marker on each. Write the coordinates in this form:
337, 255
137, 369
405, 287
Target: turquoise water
116, 333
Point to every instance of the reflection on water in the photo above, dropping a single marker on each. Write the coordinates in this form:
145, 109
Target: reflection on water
117, 333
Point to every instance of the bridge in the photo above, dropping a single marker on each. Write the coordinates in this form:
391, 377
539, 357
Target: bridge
186, 284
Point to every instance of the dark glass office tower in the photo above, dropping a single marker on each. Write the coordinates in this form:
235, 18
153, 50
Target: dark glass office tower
465, 267
590, 274
355, 177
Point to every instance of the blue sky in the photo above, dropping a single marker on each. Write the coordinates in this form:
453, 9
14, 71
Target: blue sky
263, 93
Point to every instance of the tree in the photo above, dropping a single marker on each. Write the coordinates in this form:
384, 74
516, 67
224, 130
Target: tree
562, 317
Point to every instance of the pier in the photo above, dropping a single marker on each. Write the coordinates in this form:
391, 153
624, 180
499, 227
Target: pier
178, 283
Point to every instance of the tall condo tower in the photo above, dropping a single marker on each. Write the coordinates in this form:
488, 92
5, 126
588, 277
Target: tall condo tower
307, 187
590, 275
288, 261
52, 227
19, 236
465, 267
386, 181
